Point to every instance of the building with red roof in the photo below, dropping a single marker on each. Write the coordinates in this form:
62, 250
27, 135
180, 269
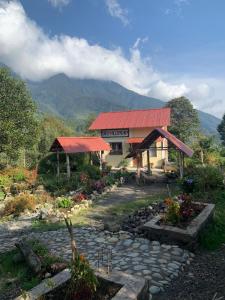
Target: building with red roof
124, 130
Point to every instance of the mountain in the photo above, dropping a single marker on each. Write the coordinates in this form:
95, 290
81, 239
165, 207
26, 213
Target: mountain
76, 98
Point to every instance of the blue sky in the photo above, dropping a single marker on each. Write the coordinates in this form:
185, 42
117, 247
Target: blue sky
163, 48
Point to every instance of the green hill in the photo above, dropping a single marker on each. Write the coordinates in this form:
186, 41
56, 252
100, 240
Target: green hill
74, 99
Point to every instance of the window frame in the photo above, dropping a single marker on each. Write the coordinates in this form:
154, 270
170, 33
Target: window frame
116, 152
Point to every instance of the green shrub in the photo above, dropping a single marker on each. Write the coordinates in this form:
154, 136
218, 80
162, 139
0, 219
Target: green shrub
19, 204
20, 176
206, 178
5, 181
92, 171
109, 180
59, 186
64, 203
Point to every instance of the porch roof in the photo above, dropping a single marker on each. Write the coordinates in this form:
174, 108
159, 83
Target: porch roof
154, 135
79, 144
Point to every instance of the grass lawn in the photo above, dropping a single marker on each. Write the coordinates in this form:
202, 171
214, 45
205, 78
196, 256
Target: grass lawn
214, 235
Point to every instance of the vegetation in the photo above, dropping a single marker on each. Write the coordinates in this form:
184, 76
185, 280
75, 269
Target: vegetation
19, 204
221, 130
214, 235
184, 119
18, 120
64, 203
50, 128
18, 273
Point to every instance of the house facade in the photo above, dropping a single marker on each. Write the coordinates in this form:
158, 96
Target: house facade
125, 130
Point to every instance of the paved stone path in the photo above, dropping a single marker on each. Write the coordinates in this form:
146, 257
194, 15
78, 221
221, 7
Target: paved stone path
157, 263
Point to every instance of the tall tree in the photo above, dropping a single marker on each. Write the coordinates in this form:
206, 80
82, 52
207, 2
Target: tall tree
184, 118
50, 128
18, 122
221, 130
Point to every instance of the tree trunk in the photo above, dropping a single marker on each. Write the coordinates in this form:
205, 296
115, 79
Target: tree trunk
30, 257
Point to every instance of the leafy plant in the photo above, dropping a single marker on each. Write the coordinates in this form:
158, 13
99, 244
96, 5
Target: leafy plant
64, 203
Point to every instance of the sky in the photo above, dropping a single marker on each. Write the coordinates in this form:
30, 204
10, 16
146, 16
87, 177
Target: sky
159, 48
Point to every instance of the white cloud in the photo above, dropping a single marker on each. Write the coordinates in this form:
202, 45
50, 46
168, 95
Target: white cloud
177, 7
59, 3
36, 56
167, 91
115, 10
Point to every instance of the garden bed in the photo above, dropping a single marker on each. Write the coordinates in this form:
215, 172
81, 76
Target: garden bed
116, 286
157, 229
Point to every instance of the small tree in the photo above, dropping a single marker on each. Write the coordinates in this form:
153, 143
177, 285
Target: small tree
221, 130
184, 118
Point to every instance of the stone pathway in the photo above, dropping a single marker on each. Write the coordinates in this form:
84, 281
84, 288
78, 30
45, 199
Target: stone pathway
157, 263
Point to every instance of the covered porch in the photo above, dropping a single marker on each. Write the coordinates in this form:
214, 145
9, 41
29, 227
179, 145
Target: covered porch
173, 143
71, 145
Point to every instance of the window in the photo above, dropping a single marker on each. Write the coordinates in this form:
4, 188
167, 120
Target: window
116, 149
153, 150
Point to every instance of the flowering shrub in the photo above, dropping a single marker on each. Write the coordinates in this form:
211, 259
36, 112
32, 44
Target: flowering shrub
181, 209
84, 178
79, 197
186, 208
98, 186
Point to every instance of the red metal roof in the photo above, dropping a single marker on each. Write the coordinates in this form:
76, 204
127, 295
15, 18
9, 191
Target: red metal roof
79, 144
132, 119
134, 140
154, 135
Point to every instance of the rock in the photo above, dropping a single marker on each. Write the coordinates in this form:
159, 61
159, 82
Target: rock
157, 276
127, 242
154, 290
112, 227
48, 275
155, 243
113, 240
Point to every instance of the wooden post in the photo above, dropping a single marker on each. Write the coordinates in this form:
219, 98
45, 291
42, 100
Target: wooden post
100, 159
58, 171
181, 164
90, 159
148, 162
68, 165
